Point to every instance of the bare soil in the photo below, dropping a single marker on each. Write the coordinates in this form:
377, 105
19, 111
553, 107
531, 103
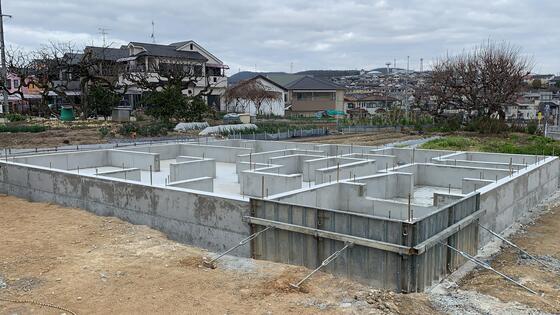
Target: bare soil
541, 239
369, 139
51, 138
102, 265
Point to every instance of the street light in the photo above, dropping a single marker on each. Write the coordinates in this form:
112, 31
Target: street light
3, 56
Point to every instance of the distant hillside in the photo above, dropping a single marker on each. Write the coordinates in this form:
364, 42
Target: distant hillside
324, 74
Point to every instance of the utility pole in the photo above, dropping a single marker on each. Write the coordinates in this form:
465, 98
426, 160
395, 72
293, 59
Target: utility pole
406, 83
3, 55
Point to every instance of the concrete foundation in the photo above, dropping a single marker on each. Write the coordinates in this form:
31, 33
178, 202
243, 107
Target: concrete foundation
214, 194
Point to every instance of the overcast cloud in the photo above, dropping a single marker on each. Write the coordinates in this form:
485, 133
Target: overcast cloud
326, 34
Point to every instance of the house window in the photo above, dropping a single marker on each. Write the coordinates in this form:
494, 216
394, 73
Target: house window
16, 83
215, 79
192, 46
304, 96
9, 84
323, 96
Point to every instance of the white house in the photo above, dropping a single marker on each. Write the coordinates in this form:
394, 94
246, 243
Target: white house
268, 107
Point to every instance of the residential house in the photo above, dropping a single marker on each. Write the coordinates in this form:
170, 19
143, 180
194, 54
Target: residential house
309, 95
31, 94
373, 103
529, 104
207, 69
267, 107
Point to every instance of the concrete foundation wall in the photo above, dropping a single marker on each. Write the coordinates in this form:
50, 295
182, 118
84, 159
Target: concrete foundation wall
387, 186
472, 184
504, 166
201, 183
252, 183
408, 155
67, 160
132, 159
441, 199
514, 196
323, 196
381, 161
244, 166
192, 169
126, 174
352, 198
293, 163
204, 220
219, 153
165, 151
345, 171
445, 175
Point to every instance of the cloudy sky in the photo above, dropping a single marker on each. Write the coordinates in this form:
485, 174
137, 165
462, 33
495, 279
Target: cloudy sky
269, 35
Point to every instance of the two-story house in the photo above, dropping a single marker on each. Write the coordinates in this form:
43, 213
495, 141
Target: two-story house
207, 72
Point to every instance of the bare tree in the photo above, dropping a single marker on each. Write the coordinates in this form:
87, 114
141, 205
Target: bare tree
481, 81
172, 72
251, 92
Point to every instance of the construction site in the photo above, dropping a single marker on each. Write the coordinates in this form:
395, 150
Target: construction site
395, 219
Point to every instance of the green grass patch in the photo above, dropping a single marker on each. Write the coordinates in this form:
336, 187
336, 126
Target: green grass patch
450, 143
515, 143
22, 128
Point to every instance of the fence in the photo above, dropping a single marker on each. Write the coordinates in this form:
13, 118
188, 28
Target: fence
405, 256
282, 135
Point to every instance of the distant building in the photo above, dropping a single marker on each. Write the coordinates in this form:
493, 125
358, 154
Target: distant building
309, 95
145, 57
373, 103
276, 107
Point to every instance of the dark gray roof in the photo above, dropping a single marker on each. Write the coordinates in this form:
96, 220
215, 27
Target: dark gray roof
284, 79
167, 51
74, 58
105, 53
311, 83
179, 44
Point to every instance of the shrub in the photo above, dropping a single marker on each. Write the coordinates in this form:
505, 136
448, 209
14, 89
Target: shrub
447, 124
104, 131
15, 117
532, 127
487, 125
151, 130
22, 128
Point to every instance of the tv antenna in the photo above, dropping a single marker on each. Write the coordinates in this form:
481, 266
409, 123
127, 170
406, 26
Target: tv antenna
153, 36
104, 32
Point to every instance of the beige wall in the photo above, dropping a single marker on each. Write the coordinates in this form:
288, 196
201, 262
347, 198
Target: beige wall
317, 105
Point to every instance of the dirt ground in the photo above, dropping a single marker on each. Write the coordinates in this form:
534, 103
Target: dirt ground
540, 239
51, 138
102, 265
370, 139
